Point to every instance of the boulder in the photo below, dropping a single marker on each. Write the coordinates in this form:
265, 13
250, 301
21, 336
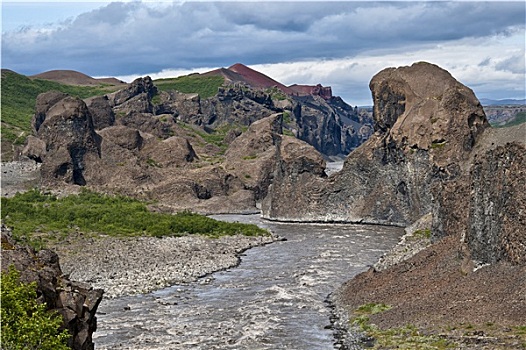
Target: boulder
174, 151
34, 149
68, 132
101, 112
44, 102
76, 302
147, 123
123, 136
138, 87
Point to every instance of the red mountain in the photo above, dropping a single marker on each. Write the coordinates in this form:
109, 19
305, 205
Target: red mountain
241, 73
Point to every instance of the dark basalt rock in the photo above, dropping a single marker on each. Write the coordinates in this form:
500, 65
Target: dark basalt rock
76, 302
64, 125
101, 112
136, 88
44, 102
497, 218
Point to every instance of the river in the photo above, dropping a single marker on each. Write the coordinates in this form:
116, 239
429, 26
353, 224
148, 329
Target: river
274, 299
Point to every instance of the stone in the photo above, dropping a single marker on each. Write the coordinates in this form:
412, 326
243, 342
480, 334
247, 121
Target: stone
497, 206
137, 87
35, 149
172, 151
123, 136
54, 289
101, 112
68, 132
44, 102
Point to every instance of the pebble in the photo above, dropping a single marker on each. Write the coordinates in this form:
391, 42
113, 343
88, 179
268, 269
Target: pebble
140, 265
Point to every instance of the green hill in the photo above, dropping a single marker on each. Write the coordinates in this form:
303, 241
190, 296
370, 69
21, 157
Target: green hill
205, 86
19, 95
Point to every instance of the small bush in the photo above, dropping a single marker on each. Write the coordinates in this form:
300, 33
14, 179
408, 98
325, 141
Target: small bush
26, 324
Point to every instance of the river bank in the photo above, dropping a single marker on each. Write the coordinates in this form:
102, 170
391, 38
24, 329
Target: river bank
126, 266
437, 297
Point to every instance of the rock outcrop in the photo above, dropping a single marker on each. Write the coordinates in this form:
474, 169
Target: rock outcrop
76, 302
253, 155
64, 125
101, 112
426, 124
497, 207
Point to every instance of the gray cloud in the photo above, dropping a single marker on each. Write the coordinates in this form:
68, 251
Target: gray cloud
126, 38
515, 64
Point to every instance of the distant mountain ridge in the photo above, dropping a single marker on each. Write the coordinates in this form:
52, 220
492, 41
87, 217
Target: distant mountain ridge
504, 102
71, 77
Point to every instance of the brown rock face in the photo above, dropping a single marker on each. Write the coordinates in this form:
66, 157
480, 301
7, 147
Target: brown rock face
64, 124
426, 123
424, 107
76, 302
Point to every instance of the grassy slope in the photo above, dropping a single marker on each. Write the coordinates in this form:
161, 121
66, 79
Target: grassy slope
204, 86
19, 95
519, 119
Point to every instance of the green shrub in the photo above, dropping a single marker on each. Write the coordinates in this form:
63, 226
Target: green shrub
26, 324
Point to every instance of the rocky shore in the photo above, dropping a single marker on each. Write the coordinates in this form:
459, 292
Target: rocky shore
413, 242
124, 266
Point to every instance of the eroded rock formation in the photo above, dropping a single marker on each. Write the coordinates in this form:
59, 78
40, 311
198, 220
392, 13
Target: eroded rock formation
426, 123
64, 125
497, 206
76, 302
433, 152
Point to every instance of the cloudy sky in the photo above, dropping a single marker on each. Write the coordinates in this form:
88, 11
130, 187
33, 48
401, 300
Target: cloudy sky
341, 44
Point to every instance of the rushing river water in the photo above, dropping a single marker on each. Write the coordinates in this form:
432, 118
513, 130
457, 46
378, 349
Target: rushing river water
275, 298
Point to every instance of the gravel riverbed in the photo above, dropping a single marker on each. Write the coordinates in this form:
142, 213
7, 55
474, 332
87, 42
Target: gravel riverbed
126, 266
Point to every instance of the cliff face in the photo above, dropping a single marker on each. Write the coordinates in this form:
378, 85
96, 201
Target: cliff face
76, 302
432, 152
426, 123
325, 122
497, 207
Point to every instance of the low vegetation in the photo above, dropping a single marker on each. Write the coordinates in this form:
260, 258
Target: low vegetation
37, 218
26, 324
205, 86
216, 136
19, 95
445, 337
408, 337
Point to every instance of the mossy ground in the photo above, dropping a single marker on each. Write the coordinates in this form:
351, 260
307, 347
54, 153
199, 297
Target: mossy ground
460, 336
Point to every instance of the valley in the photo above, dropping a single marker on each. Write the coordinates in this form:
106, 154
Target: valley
335, 184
